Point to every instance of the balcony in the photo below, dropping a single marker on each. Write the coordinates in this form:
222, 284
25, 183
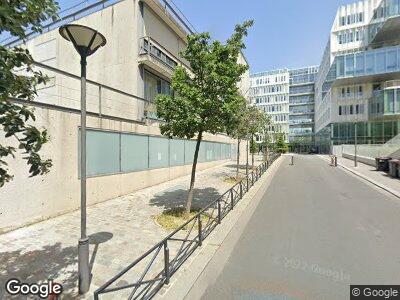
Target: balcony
377, 64
301, 112
388, 30
296, 122
155, 56
299, 103
301, 90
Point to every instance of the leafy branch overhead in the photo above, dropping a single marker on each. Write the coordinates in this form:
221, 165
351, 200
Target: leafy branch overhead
207, 98
18, 79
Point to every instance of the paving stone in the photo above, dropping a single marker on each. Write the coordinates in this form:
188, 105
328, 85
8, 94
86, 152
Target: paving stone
49, 249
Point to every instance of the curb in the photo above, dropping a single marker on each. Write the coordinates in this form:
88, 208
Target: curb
382, 186
187, 277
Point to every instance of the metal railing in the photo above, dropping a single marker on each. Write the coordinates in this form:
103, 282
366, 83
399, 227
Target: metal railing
145, 276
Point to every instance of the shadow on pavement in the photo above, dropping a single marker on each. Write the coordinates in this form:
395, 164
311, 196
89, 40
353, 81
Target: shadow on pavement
177, 198
96, 239
51, 262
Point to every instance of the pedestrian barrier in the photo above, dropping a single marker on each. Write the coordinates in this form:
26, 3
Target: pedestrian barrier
145, 276
333, 160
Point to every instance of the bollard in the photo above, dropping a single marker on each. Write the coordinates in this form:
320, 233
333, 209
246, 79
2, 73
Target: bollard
166, 263
200, 231
292, 160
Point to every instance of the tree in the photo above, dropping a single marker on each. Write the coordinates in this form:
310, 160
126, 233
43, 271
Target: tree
239, 131
257, 122
207, 100
280, 144
19, 80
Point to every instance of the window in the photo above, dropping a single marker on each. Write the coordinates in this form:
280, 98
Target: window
351, 109
343, 21
360, 17
340, 110
350, 65
359, 63
154, 85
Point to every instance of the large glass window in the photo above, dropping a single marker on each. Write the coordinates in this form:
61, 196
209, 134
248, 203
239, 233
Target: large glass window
389, 101
154, 85
102, 152
114, 152
369, 63
392, 59
380, 61
359, 63
340, 66
350, 65
134, 152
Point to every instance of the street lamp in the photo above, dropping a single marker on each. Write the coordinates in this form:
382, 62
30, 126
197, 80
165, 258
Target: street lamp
86, 42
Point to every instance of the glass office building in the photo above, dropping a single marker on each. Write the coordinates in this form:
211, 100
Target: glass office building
358, 86
287, 96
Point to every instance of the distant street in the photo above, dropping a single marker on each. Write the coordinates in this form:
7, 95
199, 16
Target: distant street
317, 230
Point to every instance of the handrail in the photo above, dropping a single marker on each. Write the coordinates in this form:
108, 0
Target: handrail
150, 40
214, 212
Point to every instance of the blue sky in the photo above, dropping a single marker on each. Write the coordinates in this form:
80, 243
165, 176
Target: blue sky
286, 33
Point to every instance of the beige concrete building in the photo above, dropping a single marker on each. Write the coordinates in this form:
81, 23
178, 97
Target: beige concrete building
126, 151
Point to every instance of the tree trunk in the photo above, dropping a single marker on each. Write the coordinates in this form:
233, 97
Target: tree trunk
193, 177
247, 158
237, 159
252, 152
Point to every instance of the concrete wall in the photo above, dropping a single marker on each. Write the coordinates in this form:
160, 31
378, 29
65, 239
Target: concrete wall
26, 200
366, 160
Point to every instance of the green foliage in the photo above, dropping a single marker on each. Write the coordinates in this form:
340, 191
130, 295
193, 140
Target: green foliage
256, 121
280, 145
206, 98
253, 146
19, 80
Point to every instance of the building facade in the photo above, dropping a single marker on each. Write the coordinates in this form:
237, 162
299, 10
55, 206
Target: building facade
301, 108
287, 96
270, 93
125, 149
358, 83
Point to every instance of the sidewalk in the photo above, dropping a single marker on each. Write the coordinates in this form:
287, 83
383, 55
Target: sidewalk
369, 173
120, 231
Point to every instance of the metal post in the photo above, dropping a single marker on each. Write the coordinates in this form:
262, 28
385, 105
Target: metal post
232, 200
247, 157
166, 262
355, 145
83, 244
219, 211
292, 160
241, 190
200, 231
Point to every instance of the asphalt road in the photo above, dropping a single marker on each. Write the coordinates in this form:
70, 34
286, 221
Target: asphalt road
316, 230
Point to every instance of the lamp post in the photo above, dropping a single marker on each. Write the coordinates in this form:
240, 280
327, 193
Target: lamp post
86, 42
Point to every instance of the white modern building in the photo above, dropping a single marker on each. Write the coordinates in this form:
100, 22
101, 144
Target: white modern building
125, 149
287, 96
270, 93
356, 88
